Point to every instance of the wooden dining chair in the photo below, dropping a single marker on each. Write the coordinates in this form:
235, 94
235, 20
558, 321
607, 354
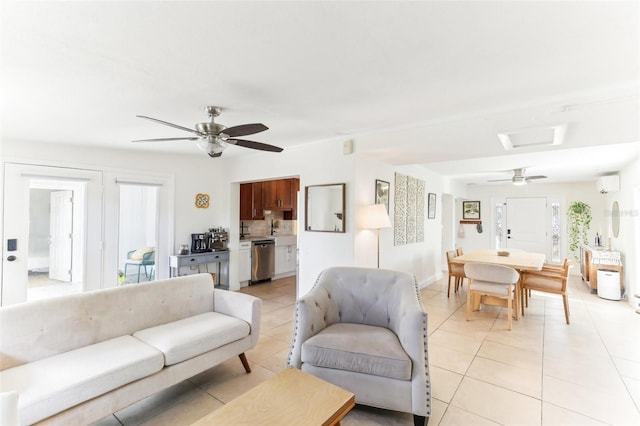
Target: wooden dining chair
456, 272
551, 279
492, 280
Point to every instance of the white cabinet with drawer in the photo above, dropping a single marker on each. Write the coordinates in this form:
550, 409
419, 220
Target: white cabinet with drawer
286, 253
244, 265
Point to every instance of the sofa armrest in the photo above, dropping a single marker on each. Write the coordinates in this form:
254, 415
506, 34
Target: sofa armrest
242, 306
310, 318
9, 408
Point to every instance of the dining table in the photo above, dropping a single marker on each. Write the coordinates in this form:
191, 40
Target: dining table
519, 260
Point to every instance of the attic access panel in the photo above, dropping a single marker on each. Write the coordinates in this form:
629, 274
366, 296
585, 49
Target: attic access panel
535, 136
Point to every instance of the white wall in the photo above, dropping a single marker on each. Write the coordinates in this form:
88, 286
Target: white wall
566, 193
315, 164
322, 163
421, 259
628, 241
187, 176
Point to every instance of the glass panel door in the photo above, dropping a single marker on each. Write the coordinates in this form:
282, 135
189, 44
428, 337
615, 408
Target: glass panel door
137, 234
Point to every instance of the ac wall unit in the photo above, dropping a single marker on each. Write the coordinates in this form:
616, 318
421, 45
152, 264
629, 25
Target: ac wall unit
608, 184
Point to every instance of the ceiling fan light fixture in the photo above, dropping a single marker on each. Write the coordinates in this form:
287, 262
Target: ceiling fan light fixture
209, 136
519, 181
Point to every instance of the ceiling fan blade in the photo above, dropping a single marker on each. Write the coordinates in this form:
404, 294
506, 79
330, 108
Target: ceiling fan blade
535, 177
254, 145
244, 130
500, 180
166, 139
166, 123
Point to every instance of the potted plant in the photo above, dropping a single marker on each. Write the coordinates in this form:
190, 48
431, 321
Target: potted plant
579, 217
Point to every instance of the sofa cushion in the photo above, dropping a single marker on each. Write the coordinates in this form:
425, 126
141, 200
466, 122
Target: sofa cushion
190, 337
51, 385
357, 347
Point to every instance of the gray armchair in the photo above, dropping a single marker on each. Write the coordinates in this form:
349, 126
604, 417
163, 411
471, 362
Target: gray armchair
365, 330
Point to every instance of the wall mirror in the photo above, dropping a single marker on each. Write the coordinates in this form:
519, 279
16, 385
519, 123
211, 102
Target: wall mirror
324, 208
615, 219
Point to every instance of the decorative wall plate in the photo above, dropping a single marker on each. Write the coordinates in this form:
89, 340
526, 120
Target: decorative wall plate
202, 201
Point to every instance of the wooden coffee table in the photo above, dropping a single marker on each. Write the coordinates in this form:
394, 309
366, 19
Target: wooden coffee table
292, 397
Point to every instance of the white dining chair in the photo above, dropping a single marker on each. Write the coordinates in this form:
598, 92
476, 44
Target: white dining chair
491, 280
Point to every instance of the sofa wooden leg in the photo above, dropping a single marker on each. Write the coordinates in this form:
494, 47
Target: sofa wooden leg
420, 420
245, 363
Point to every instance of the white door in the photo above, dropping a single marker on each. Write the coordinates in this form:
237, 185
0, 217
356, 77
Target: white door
17, 180
61, 235
527, 224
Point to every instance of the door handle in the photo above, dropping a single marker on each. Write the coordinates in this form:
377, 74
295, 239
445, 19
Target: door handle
11, 258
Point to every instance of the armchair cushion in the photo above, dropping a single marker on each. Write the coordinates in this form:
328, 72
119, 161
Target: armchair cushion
139, 253
347, 346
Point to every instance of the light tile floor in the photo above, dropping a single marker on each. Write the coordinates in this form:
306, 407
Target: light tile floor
543, 372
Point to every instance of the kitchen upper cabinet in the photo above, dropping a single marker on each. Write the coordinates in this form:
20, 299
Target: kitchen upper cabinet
278, 194
251, 206
246, 201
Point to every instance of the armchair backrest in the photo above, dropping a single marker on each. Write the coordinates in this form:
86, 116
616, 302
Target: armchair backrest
367, 296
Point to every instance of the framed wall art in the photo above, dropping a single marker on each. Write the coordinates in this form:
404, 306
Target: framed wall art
409, 203
471, 210
432, 206
382, 193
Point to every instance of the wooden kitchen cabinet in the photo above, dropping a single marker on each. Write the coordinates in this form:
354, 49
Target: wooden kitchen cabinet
251, 205
277, 194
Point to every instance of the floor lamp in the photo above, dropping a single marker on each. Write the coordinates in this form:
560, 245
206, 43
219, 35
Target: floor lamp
376, 217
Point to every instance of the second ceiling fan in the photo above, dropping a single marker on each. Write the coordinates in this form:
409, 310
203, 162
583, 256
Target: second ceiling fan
214, 137
519, 177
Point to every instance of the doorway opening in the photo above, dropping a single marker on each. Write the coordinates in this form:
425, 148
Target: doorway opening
56, 234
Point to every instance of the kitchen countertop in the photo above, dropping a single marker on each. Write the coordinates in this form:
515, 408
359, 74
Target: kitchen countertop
265, 237
256, 237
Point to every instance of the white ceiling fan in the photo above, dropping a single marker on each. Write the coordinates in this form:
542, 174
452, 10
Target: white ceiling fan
519, 177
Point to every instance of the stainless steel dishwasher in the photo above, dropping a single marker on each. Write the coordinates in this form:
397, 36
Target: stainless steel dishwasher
263, 260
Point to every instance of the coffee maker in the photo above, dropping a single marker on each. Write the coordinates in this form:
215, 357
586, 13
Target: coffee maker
218, 239
200, 243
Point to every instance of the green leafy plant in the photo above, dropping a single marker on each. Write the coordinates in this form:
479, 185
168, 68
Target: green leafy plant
579, 216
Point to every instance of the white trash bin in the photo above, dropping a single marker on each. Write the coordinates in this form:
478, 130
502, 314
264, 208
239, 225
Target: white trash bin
609, 284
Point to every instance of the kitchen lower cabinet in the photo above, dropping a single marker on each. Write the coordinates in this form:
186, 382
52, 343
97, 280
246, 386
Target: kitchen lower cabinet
281, 255
286, 260
244, 264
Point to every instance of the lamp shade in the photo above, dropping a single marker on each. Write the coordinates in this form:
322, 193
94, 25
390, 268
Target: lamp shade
375, 217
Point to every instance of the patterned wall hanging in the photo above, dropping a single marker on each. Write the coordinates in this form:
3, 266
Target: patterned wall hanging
408, 212
202, 201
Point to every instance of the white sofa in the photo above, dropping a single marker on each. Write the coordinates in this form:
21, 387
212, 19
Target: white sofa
76, 359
